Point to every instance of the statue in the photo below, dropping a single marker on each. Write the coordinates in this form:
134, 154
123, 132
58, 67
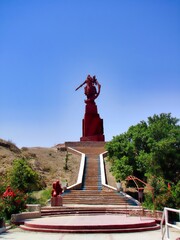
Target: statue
90, 90
56, 199
57, 190
92, 124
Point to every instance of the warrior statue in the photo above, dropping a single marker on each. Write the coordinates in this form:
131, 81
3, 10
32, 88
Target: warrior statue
92, 124
90, 89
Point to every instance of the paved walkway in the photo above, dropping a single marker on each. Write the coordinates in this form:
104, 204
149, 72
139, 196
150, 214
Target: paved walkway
19, 234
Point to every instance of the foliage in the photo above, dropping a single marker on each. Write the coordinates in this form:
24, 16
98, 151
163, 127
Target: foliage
2, 186
66, 161
40, 197
121, 169
23, 180
23, 177
149, 150
12, 203
163, 195
46, 195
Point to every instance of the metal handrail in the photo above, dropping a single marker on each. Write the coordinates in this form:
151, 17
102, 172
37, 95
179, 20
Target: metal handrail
165, 230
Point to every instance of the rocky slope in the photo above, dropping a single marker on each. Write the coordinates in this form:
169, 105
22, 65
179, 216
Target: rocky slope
48, 162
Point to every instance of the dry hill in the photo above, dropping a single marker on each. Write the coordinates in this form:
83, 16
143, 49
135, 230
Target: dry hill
48, 162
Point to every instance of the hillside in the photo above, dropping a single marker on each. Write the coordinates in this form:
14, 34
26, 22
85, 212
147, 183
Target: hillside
48, 162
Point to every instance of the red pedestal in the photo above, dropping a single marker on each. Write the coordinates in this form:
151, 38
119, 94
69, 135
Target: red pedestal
56, 201
92, 124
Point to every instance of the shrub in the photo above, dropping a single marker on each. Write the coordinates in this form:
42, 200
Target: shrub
11, 202
23, 177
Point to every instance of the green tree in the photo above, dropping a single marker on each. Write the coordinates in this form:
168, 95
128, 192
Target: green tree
23, 177
148, 149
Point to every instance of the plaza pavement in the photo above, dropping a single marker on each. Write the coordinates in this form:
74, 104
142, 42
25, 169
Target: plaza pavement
19, 234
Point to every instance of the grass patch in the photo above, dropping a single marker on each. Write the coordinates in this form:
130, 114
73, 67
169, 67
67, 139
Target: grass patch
40, 197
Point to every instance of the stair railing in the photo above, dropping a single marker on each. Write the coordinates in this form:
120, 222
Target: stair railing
78, 184
167, 225
102, 170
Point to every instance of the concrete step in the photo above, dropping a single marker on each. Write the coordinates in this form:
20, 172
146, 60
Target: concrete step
89, 209
89, 230
94, 196
101, 223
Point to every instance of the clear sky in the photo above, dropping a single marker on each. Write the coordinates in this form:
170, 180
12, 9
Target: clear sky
48, 47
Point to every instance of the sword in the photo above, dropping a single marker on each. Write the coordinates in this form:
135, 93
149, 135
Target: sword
80, 85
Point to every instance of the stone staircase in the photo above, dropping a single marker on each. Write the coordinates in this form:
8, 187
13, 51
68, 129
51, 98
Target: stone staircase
95, 197
92, 177
104, 210
92, 192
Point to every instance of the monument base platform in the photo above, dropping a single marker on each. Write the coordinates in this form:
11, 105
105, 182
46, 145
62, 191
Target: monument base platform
85, 144
93, 138
103, 223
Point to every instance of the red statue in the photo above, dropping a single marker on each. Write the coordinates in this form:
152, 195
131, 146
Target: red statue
92, 123
90, 90
57, 190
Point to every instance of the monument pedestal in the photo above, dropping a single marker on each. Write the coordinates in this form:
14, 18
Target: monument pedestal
56, 201
96, 138
92, 124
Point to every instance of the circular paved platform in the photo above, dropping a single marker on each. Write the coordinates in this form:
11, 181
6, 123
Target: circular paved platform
91, 223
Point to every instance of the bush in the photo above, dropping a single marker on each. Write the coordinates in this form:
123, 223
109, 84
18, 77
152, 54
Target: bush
23, 177
11, 202
165, 195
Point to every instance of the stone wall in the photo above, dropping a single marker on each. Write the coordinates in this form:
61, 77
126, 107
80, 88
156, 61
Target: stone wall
19, 218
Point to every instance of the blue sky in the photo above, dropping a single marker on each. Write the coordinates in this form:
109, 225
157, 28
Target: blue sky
47, 49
